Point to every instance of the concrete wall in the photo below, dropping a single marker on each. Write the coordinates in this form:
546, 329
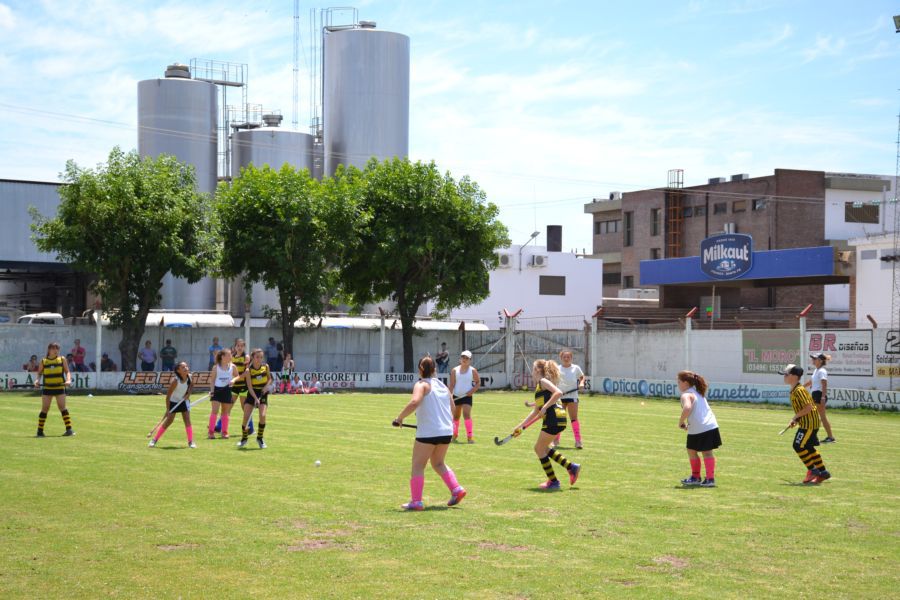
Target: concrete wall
874, 280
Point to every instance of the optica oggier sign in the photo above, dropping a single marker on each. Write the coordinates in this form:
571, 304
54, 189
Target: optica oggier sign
726, 256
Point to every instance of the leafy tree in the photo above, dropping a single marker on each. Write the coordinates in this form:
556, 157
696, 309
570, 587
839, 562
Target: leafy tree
425, 237
129, 221
284, 229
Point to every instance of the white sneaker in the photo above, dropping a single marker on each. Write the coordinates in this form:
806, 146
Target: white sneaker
242, 443
261, 443
192, 445
152, 444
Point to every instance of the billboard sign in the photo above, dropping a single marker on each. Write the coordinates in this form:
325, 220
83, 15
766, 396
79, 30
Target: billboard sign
726, 256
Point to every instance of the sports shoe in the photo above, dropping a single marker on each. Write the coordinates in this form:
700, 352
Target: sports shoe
456, 497
225, 436
470, 440
192, 445
413, 505
578, 446
829, 440
242, 443
211, 436
69, 433
822, 475
550, 485
809, 476
691, 481
40, 433
574, 469
708, 483
261, 443
152, 444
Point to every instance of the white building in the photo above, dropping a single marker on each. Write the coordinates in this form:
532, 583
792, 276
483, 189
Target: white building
856, 206
554, 289
874, 279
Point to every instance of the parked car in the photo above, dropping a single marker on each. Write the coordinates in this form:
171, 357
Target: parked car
45, 318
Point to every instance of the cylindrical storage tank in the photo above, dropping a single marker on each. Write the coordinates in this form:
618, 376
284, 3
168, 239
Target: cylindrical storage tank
366, 96
271, 146
262, 297
177, 116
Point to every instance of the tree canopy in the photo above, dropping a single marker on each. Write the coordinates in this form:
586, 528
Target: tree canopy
129, 222
424, 237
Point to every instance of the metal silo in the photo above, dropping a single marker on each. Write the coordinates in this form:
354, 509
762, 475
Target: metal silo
366, 95
271, 146
177, 116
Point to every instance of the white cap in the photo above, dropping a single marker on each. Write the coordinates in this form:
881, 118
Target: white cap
466, 353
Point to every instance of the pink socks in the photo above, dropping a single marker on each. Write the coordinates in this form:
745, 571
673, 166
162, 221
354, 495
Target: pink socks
455, 427
212, 423
190, 433
416, 487
576, 429
450, 479
225, 419
695, 467
469, 428
159, 433
710, 463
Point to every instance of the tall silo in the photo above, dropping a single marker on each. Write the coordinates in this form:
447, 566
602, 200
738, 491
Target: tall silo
366, 95
177, 116
271, 146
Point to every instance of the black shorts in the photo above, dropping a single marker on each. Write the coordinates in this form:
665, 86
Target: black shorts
147, 366
183, 407
569, 400
435, 441
806, 439
554, 420
46, 392
263, 398
704, 442
239, 389
222, 395
817, 398
464, 400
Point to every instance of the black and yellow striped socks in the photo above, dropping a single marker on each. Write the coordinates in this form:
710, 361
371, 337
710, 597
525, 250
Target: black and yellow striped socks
42, 418
67, 419
548, 468
811, 459
562, 460
259, 431
245, 433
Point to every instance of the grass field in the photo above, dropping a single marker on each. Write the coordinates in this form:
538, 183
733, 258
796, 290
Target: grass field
100, 514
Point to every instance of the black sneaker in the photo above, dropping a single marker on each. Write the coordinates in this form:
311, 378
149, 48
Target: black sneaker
708, 483
40, 433
69, 433
691, 481
829, 440
823, 475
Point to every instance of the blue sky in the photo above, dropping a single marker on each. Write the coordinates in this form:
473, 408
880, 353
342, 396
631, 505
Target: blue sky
545, 104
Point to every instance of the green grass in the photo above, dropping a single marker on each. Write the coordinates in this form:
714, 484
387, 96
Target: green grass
100, 514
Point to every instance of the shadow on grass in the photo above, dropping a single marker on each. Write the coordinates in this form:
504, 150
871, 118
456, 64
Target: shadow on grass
172, 448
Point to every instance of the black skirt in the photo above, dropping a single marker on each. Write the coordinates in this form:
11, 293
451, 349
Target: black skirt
704, 442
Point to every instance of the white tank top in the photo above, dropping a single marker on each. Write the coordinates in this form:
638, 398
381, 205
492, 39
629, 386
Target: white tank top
817, 377
433, 416
701, 418
223, 376
464, 382
181, 388
568, 380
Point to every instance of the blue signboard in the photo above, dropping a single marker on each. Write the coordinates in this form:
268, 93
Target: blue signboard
726, 256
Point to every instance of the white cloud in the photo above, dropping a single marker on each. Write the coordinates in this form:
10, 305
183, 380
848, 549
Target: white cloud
774, 39
7, 18
825, 45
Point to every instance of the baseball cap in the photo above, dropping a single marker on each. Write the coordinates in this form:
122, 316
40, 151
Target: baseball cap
466, 353
792, 370
820, 356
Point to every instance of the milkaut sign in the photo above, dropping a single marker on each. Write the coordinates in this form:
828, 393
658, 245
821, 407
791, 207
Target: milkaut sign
726, 256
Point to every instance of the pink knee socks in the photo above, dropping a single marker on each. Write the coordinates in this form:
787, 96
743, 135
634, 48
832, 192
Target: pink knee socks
450, 480
695, 467
468, 427
576, 429
416, 487
710, 463
212, 423
455, 427
159, 433
225, 419
190, 433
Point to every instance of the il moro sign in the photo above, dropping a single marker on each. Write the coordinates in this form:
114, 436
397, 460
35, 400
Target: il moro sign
726, 256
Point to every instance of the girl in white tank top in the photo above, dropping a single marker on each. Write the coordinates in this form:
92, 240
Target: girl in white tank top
224, 372
702, 428
464, 381
431, 401
178, 400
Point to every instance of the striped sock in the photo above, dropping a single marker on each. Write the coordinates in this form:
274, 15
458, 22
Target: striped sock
42, 418
260, 430
562, 460
67, 419
548, 468
245, 433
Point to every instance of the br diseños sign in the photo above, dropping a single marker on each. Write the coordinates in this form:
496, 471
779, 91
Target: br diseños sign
726, 256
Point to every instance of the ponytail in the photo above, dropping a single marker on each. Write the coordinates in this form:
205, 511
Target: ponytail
695, 380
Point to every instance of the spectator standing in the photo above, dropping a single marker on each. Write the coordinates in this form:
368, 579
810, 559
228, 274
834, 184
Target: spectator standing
272, 354
32, 365
78, 353
147, 356
213, 351
167, 354
279, 347
442, 359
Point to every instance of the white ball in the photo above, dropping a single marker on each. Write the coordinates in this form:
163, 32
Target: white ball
318, 463
642, 403
90, 395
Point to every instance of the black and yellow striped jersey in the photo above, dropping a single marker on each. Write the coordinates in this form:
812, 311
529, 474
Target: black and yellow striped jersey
259, 377
800, 397
54, 376
240, 361
541, 396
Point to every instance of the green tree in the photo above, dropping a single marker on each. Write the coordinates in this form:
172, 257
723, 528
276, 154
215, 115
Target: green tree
425, 237
129, 222
286, 230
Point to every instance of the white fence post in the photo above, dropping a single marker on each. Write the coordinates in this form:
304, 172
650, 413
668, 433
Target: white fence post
511, 344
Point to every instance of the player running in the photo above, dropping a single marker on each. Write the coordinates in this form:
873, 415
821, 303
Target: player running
178, 400
464, 381
54, 373
224, 372
257, 378
545, 374
807, 417
703, 430
571, 381
818, 385
431, 401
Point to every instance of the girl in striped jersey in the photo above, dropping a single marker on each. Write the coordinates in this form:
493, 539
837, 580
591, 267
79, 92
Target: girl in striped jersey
257, 378
703, 430
807, 418
240, 359
223, 373
54, 373
178, 400
432, 403
545, 374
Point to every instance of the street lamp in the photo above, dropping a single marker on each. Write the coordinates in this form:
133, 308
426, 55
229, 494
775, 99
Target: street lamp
522, 247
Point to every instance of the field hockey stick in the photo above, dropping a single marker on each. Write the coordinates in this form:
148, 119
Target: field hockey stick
783, 430
404, 425
500, 442
168, 412
196, 402
564, 394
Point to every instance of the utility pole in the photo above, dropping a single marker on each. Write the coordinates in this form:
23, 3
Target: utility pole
295, 105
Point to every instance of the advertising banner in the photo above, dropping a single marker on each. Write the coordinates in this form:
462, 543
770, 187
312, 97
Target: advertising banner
887, 357
850, 350
768, 350
726, 256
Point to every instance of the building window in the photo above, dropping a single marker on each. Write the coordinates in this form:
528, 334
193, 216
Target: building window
655, 254
552, 285
654, 221
868, 255
759, 204
628, 228
857, 212
699, 211
739, 206
597, 225
628, 282
688, 212
720, 208
602, 227
614, 278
